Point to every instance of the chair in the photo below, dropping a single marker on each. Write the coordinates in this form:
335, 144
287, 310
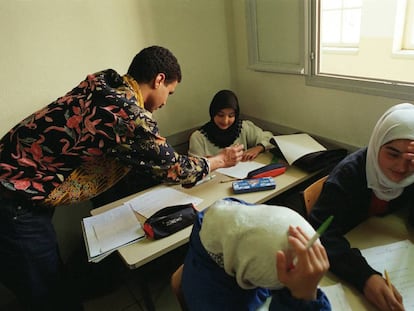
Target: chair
176, 287
312, 192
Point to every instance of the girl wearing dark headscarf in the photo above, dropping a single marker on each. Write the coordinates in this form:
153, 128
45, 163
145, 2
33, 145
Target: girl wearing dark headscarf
225, 129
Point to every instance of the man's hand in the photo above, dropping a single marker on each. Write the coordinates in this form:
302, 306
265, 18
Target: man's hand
227, 157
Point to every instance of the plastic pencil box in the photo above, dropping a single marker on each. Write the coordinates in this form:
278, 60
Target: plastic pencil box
253, 185
270, 170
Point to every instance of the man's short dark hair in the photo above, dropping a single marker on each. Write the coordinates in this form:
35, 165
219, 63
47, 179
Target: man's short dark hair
154, 60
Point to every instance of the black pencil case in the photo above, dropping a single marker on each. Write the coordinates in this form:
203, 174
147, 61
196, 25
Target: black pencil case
169, 220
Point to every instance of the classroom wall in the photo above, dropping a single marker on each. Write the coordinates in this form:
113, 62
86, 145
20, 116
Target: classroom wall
50, 46
285, 99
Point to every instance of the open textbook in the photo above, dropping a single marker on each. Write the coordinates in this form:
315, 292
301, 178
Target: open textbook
303, 151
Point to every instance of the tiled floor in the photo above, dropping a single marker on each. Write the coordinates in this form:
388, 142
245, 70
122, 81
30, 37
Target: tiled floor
128, 297
121, 291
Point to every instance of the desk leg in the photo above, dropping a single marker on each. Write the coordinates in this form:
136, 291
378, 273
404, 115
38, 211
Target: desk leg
144, 286
146, 294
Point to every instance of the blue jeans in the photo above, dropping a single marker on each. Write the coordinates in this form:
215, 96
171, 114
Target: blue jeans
30, 263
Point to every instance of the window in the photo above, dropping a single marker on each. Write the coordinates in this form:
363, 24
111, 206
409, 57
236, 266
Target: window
340, 23
408, 36
363, 45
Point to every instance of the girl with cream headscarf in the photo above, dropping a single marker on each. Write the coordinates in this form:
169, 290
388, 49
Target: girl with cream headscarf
237, 253
373, 181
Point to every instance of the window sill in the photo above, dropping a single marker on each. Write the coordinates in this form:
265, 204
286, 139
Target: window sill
371, 87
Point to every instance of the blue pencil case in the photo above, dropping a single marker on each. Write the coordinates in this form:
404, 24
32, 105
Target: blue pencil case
253, 185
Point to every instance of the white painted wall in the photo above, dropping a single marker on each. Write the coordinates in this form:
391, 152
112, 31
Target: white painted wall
50, 46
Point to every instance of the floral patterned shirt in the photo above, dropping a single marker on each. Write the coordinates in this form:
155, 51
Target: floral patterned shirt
84, 142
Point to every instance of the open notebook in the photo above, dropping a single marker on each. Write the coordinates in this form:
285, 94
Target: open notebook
106, 232
303, 151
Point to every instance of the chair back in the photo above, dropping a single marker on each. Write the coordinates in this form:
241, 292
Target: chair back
312, 192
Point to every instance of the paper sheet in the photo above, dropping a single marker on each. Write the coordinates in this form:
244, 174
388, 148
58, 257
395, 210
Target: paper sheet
297, 145
241, 169
395, 258
337, 298
150, 202
110, 230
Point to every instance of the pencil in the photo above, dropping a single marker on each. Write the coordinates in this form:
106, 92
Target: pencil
387, 278
320, 231
206, 179
229, 180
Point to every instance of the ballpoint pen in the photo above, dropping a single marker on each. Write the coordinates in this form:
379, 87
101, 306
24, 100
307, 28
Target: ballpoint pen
208, 178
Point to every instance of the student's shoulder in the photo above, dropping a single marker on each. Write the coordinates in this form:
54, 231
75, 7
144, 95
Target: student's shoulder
351, 168
248, 123
196, 134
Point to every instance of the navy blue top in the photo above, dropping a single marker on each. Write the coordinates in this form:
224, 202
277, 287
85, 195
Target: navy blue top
208, 287
346, 196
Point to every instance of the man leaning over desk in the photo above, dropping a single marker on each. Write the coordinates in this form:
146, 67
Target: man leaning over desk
75, 148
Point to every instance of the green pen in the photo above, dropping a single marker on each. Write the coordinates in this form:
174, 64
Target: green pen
319, 232
312, 240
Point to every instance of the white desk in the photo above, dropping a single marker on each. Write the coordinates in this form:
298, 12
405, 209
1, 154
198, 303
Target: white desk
144, 251
374, 232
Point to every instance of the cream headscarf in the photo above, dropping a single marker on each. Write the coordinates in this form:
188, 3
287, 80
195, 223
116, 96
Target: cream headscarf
396, 123
248, 237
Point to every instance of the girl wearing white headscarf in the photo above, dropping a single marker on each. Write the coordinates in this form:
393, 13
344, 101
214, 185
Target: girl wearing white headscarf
373, 181
236, 254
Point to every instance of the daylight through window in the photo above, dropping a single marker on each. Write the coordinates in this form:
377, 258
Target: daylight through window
364, 40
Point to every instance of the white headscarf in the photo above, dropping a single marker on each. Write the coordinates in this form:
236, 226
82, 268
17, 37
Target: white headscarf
248, 237
396, 123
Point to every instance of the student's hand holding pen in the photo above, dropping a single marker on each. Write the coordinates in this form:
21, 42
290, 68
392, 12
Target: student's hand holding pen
383, 295
311, 265
252, 153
